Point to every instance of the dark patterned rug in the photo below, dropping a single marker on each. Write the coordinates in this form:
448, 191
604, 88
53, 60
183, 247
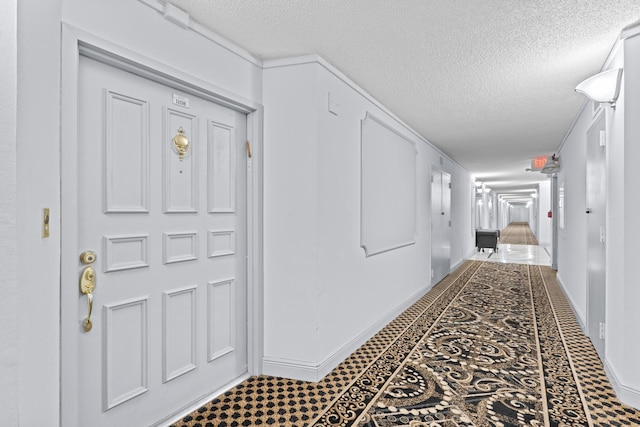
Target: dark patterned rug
491, 345
494, 356
518, 233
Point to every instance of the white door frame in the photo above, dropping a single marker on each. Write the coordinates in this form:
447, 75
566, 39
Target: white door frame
76, 42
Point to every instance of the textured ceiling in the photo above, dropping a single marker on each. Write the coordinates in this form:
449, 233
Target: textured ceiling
491, 83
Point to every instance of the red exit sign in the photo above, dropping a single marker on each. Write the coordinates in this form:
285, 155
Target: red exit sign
537, 163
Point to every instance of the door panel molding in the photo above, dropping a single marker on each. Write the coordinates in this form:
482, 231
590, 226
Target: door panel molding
125, 252
126, 145
221, 152
127, 378
180, 174
221, 296
179, 341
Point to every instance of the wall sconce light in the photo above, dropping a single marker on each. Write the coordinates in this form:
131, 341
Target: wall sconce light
551, 166
603, 87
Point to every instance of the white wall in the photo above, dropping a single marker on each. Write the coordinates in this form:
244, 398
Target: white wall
572, 241
38, 187
503, 214
8, 235
315, 270
493, 210
622, 226
623, 316
290, 234
463, 226
533, 214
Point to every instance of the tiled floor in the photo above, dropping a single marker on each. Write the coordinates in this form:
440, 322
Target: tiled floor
516, 254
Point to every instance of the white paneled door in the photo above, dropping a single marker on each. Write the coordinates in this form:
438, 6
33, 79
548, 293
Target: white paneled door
440, 225
161, 202
596, 198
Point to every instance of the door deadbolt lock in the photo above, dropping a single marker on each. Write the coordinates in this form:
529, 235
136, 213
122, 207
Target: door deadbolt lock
88, 257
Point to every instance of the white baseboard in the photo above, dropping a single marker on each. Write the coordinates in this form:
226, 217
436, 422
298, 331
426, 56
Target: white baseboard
308, 371
582, 322
457, 265
626, 394
469, 256
288, 368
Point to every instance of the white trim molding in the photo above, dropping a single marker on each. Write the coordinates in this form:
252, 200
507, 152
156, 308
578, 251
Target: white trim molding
182, 19
626, 394
388, 216
309, 371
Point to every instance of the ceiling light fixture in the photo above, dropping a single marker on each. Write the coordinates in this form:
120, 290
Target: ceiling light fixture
603, 87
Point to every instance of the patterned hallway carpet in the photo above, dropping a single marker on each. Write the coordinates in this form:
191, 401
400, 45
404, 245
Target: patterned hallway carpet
518, 233
490, 345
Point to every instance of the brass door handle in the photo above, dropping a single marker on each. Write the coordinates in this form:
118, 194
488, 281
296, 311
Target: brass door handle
87, 285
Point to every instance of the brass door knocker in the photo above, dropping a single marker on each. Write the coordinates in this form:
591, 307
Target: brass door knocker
181, 143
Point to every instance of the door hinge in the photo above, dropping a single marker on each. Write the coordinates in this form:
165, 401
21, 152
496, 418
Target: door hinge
449, 223
248, 145
602, 331
603, 138
449, 186
602, 236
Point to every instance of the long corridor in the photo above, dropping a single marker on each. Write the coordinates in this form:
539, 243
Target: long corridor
518, 233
